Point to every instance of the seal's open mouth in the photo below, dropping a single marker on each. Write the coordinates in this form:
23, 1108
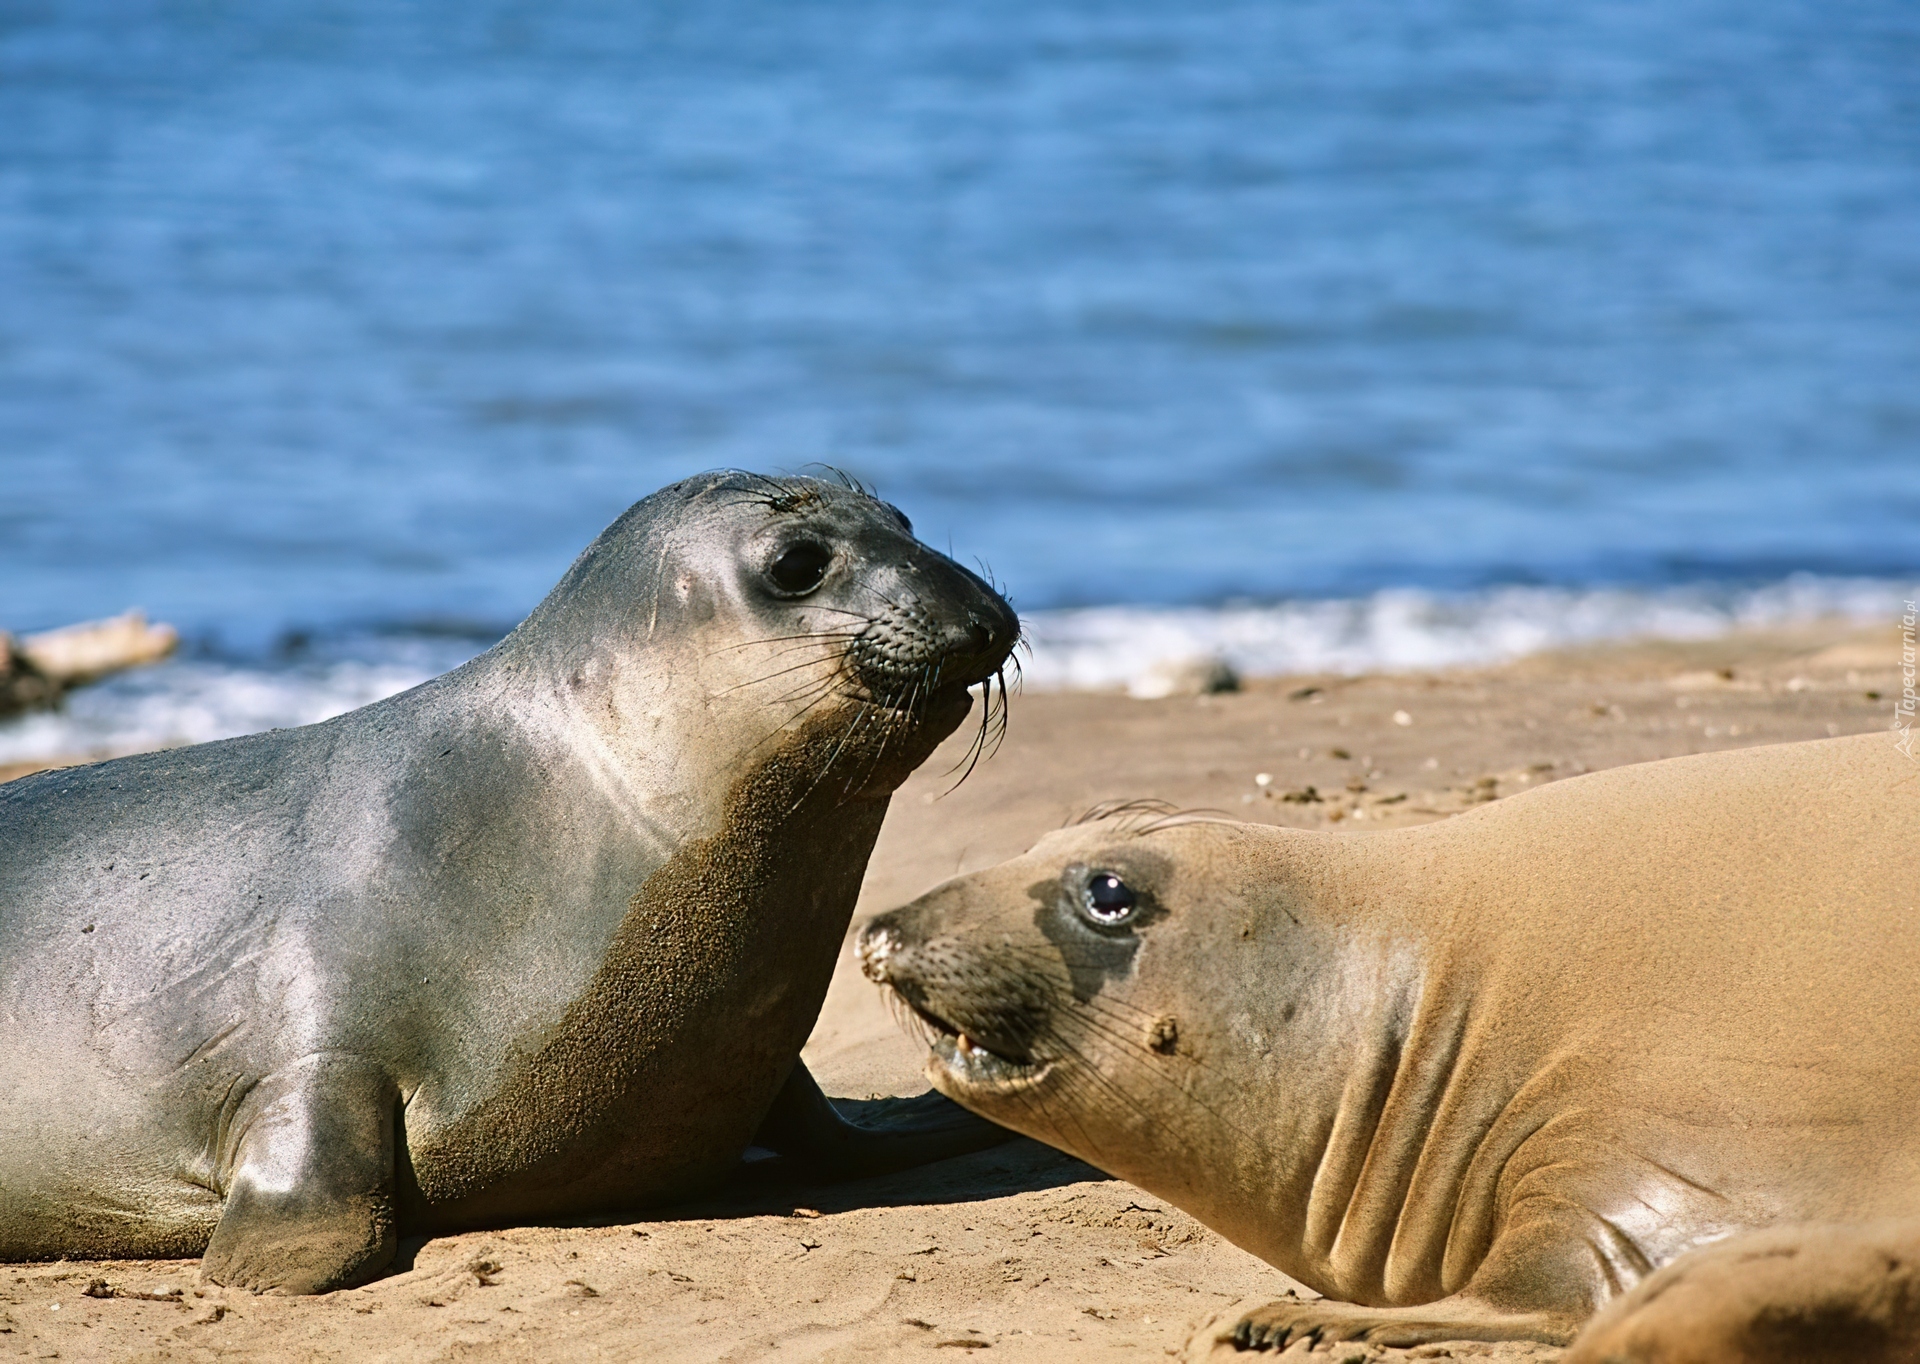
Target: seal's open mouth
966, 1058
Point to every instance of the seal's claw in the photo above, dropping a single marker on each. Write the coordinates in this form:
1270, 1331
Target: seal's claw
1290, 1321
1286, 1322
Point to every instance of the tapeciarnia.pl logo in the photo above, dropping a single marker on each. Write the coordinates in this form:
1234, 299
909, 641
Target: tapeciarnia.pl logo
1903, 708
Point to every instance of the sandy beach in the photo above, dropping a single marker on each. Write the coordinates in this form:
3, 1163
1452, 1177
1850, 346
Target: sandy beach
1019, 1251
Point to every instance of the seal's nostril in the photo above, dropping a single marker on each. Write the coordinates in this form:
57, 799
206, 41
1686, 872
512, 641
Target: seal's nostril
873, 949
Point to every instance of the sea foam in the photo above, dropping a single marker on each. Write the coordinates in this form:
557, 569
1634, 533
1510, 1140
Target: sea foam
193, 700
1406, 629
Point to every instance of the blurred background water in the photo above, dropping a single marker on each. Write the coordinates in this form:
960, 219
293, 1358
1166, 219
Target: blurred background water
1333, 333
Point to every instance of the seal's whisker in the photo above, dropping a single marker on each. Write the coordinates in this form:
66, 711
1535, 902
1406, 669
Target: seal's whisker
827, 766
919, 691
782, 638
1056, 957
843, 478
913, 1022
892, 722
914, 699
778, 672
914, 706
853, 727
1090, 1082
1034, 1102
787, 723
776, 495
1120, 1012
1124, 1032
1121, 807
1145, 816
993, 719
909, 1018
819, 690
916, 1023
971, 758
835, 647
871, 590
1086, 1138
886, 721
813, 694
836, 638
784, 672
806, 635
1000, 724
1199, 814
1125, 1045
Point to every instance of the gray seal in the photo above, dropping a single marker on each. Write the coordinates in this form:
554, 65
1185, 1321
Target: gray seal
539, 938
1476, 1079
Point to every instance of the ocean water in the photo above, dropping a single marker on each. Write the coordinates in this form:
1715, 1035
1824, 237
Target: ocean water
1335, 333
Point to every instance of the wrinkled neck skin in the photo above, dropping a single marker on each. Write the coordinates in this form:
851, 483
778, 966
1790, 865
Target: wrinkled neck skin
1294, 1109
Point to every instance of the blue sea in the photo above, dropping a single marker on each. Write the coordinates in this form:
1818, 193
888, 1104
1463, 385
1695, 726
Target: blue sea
1316, 333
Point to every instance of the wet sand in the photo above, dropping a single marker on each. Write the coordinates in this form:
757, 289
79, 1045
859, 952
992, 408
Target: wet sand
1019, 1251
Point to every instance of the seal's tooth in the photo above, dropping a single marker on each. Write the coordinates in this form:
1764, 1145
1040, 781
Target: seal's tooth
966, 1045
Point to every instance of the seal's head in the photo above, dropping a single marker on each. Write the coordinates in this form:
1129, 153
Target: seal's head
1138, 990
752, 608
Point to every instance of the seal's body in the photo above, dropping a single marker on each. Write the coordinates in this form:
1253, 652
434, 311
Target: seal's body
1471, 1079
541, 936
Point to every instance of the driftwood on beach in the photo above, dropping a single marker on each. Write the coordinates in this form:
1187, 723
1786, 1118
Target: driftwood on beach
37, 670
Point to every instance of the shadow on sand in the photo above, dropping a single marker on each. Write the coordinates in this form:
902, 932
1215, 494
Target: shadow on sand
774, 1188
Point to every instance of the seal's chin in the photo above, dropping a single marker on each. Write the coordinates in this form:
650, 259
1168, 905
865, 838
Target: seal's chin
946, 708
879, 742
966, 1065
930, 716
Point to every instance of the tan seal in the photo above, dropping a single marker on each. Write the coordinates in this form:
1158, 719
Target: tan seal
1474, 1079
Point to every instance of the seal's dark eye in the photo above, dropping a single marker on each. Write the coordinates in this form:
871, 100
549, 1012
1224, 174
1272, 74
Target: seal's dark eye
801, 568
1107, 900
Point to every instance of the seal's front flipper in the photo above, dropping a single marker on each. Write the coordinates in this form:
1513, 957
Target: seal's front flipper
310, 1199
881, 1136
1785, 1292
1281, 1324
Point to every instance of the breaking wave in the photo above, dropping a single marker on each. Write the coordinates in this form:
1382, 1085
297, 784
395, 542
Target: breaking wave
193, 700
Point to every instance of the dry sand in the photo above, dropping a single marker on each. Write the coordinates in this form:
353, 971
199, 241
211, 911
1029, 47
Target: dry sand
1018, 1251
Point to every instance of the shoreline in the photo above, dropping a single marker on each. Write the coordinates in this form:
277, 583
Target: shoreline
1018, 1250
